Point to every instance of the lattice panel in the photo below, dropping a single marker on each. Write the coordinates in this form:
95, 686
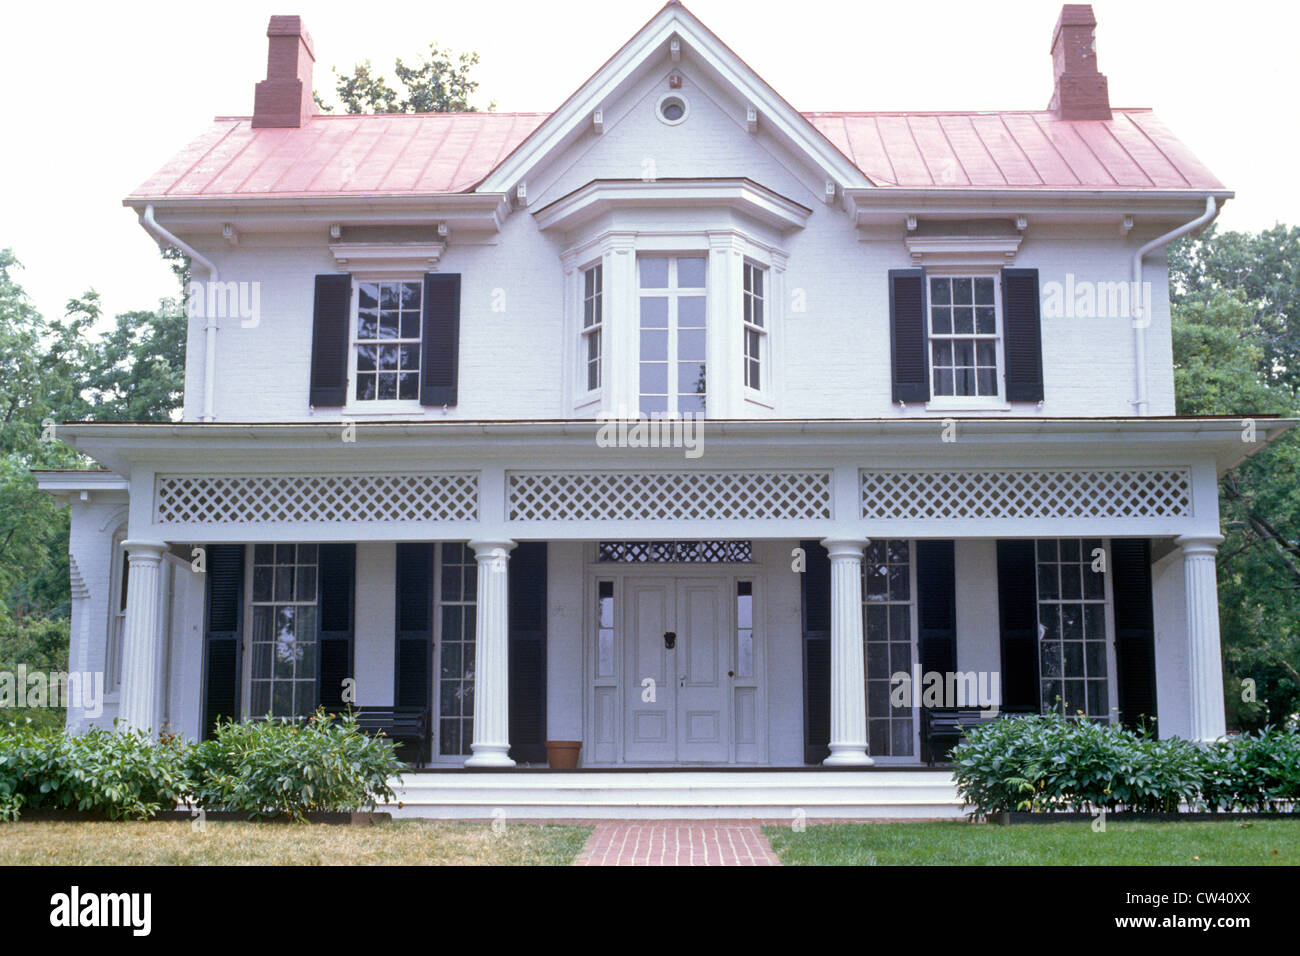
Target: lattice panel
1028, 493
275, 499
668, 496
675, 552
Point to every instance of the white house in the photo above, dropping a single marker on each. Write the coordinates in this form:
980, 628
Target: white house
448, 444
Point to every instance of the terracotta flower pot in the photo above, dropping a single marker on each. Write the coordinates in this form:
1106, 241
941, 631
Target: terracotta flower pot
563, 754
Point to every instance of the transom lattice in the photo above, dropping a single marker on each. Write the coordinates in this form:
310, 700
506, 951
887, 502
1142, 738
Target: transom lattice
1028, 493
668, 496
675, 552
268, 499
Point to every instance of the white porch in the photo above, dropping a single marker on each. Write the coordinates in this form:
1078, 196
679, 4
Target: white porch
772, 485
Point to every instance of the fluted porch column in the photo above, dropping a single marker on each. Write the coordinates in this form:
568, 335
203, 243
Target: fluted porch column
491, 744
1204, 654
848, 675
142, 636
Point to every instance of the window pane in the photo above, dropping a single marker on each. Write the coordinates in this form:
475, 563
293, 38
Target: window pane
985, 320
654, 272
941, 319
961, 291
692, 311
368, 295
690, 273
654, 313
963, 320
984, 290
941, 291
410, 325
367, 324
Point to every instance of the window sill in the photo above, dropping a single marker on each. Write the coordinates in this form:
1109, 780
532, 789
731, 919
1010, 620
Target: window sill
380, 409
957, 405
762, 401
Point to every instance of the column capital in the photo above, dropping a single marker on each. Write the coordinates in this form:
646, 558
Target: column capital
845, 547
485, 548
143, 549
1199, 543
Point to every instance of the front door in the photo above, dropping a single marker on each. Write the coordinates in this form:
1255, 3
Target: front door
678, 676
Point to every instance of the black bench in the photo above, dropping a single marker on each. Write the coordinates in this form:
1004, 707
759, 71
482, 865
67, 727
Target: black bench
942, 728
407, 727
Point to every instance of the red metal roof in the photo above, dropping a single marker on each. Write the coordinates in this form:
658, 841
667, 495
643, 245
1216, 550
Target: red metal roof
432, 153
1015, 150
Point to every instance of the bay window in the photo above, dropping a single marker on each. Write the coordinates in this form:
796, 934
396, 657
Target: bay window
673, 328
592, 323
755, 328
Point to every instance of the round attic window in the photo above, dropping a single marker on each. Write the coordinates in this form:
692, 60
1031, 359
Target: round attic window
672, 108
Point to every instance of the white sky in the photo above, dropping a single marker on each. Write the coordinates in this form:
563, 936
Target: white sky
99, 94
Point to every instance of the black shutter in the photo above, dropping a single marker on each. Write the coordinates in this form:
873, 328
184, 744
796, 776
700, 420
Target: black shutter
816, 593
527, 622
413, 680
223, 634
1018, 616
336, 586
1135, 633
936, 596
1023, 335
911, 377
329, 341
440, 349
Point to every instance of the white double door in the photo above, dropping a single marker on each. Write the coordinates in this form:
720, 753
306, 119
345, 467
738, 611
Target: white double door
678, 670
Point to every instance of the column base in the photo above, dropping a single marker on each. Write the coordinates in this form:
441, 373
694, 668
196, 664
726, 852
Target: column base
490, 755
846, 755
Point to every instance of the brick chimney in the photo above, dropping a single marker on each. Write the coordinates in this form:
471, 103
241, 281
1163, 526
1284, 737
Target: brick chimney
284, 98
1080, 91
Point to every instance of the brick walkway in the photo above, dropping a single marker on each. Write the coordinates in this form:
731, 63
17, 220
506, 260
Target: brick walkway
677, 843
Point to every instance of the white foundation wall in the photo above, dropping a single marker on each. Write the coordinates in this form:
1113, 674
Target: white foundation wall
1173, 676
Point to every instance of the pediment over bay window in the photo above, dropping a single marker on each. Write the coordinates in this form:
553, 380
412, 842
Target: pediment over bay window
600, 198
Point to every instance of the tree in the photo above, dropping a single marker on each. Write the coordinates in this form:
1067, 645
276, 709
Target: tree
1264, 268
1221, 351
437, 83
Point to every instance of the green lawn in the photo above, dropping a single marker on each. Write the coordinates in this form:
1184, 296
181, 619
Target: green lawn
398, 842
1266, 842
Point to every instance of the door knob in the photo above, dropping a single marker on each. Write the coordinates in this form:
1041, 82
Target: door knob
670, 639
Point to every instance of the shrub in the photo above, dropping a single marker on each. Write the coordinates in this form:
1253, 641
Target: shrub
287, 768
1051, 762
122, 775
1252, 771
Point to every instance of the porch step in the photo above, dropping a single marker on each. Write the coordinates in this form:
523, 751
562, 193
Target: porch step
656, 795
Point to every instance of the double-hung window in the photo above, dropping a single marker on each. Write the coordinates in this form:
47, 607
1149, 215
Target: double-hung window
1072, 643
282, 668
964, 337
755, 329
673, 334
593, 299
386, 341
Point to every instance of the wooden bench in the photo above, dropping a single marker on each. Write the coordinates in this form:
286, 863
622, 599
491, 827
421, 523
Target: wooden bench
408, 727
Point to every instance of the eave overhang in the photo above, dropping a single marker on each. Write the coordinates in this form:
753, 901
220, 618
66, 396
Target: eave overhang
195, 216
119, 446
890, 206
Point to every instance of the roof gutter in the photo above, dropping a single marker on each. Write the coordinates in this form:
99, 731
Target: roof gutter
162, 236
1143, 316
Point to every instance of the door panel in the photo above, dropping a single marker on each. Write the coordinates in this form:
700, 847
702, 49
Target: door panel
704, 684
650, 733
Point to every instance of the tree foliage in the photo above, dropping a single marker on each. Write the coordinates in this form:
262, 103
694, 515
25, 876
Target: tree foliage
1231, 355
437, 83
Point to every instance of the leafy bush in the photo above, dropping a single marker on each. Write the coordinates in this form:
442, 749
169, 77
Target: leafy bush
1051, 762
286, 768
1252, 771
117, 775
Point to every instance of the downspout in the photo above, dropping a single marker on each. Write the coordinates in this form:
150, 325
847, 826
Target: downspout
1140, 325
210, 329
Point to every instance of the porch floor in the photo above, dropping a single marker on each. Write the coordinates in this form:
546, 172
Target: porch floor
777, 794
